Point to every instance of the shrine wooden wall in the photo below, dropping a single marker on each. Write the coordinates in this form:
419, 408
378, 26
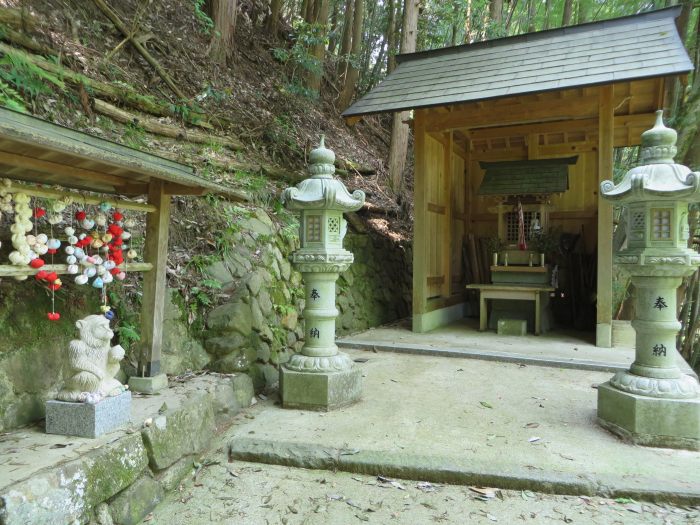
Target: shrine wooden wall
450, 142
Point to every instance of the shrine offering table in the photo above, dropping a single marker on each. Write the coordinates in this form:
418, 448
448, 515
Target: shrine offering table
512, 292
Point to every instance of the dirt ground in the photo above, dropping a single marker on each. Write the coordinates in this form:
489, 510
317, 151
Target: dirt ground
255, 494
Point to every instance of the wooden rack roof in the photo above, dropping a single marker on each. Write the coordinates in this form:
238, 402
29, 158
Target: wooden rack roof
34, 150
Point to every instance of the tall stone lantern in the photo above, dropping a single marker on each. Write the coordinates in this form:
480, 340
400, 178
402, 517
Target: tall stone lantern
321, 377
654, 403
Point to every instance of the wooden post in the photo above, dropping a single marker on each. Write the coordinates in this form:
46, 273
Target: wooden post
420, 223
154, 282
447, 229
606, 133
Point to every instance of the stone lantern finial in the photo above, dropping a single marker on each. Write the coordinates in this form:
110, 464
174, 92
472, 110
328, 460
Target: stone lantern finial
659, 142
321, 161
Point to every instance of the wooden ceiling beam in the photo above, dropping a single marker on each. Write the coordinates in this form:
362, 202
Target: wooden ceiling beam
644, 120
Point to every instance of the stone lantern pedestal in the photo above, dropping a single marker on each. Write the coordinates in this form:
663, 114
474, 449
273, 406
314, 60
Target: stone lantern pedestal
654, 403
321, 377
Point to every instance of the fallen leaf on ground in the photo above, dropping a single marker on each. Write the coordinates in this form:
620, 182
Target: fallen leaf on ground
532, 425
486, 492
534, 439
60, 445
485, 404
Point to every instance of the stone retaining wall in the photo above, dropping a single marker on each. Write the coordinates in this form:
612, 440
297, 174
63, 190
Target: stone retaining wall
258, 327
119, 478
254, 329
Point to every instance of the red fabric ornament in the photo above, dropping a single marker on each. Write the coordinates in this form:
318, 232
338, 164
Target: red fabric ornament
80, 215
117, 216
115, 230
36, 263
117, 242
41, 275
54, 286
39, 212
54, 316
114, 271
50, 251
52, 277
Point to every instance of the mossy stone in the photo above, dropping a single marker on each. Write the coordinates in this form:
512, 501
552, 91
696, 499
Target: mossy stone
187, 430
133, 504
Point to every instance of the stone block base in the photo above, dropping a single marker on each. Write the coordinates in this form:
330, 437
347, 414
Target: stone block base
320, 391
669, 423
512, 327
87, 420
148, 385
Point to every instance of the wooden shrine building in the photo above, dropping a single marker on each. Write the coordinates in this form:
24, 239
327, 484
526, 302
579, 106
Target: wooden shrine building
576, 91
47, 155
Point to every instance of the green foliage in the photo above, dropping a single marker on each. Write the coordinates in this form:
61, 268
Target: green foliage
11, 98
206, 24
186, 112
128, 334
298, 57
20, 78
134, 136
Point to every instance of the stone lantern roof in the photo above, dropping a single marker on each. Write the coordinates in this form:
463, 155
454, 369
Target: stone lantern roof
659, 178
321, 191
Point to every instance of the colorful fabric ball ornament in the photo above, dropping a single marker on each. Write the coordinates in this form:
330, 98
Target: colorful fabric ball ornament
72, 269
69, 231
98, 283
53, 316
37, 263
81, 279
39, 212
80, 215
105, 207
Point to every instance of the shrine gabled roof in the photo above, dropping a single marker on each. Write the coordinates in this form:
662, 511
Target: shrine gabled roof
634, 47
526, 177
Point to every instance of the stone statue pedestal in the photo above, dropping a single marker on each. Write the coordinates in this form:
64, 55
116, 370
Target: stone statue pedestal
86, 419
650, 421
320, 391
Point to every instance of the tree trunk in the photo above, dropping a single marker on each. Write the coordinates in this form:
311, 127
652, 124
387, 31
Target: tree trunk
391, 37
455, 23
399, 130
318, 50
333, 41
568, 11
224, 17
511, 12
468, 24
352, 72
547, 10
531, 13
496, 11
272, 22
345, 42
584, 11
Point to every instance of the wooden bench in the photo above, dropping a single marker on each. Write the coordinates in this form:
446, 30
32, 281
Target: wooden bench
512, 292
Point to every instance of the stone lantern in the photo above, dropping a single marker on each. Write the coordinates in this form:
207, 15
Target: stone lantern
654, 403
321, 377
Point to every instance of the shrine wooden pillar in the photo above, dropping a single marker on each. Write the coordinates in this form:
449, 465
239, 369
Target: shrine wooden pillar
606, 135
420, 223
149, 375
